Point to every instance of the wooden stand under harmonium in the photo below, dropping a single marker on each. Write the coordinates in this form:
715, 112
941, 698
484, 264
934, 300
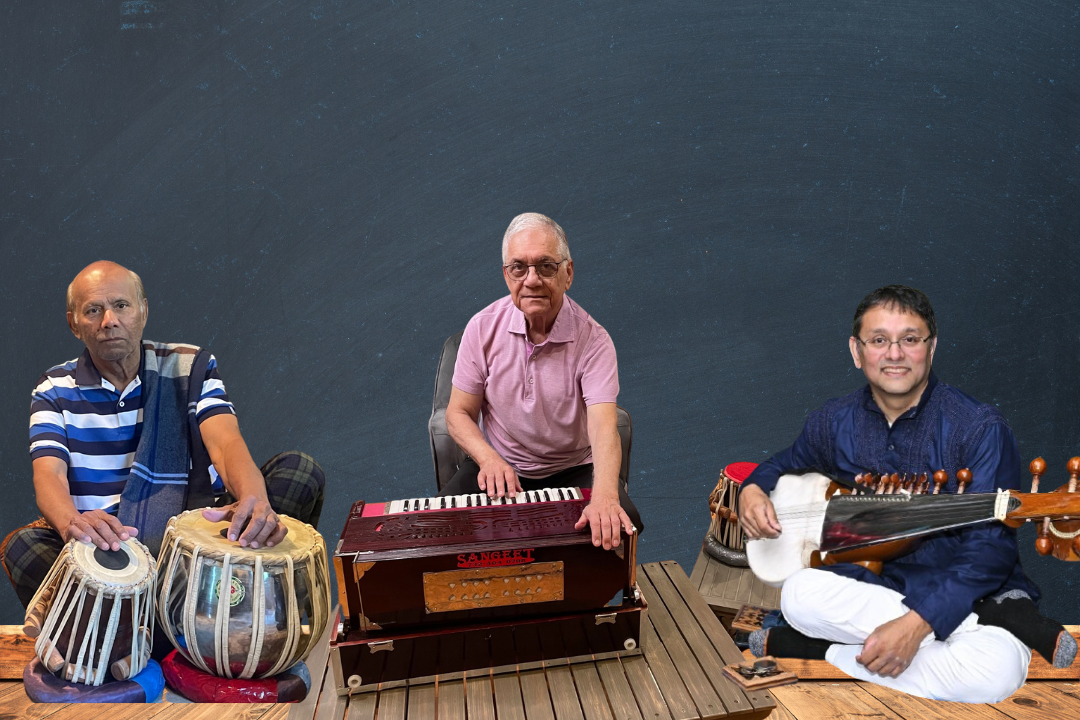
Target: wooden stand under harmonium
454, 586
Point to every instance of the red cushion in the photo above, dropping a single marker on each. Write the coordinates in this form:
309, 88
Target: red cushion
739, 471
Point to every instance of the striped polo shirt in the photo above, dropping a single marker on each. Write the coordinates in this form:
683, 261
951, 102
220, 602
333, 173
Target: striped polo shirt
80, 417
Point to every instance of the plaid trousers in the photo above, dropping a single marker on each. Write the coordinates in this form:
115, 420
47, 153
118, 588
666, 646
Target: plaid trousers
294, 486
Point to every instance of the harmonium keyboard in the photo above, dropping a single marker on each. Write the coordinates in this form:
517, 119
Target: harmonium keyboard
452, 585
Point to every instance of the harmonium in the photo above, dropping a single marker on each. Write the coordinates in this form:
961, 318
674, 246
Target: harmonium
452, 586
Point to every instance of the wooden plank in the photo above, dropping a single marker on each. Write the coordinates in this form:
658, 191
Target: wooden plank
564, 696
810, 701
16, 652
1039, 701
508, 704
280, 711
207, 711
619, 694
317, 666
18, 705
697, 575
478, 698
706, 699
646, 691
117, 711
590, 692
451, 697
697, 618
1039, 669
362, 707
10, 686
678, 699
782, 713
392, 703
422, 701
534, 691
910, 706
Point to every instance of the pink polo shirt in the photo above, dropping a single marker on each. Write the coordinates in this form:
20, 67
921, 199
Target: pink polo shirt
533, 412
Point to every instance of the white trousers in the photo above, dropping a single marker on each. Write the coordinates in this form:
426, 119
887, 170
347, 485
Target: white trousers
976, 664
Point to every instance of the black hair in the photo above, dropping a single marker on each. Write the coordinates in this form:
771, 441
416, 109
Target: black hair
901, 297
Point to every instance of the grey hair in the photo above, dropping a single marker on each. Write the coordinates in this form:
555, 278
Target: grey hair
531, 220
134, 276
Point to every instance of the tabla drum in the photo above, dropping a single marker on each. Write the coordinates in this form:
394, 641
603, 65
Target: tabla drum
95, 610
241, 612
725, 540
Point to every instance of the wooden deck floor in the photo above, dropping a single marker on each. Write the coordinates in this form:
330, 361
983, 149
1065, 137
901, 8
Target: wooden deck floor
1038, 700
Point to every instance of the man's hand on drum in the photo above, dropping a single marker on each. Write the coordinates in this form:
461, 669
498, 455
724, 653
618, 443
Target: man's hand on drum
99, 528
605, 518
757, 514
252, 522
497, 478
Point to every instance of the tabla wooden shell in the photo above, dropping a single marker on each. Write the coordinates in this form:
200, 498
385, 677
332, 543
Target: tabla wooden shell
276, 606
724, 505
84, 613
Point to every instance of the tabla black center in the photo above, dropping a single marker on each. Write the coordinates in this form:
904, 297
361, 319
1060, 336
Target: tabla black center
111, 559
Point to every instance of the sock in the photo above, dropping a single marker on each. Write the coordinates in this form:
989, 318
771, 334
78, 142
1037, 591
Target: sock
787, 642
1020, 616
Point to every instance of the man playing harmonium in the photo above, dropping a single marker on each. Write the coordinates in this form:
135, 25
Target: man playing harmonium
109, 440
912, 627
544, 376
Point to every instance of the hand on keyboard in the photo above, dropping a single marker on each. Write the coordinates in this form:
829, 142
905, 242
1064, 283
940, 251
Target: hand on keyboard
497, 478
605, 518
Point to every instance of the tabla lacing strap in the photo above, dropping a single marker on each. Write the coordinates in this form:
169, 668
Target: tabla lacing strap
221, 622
91, 627
1001, 505
194, 573
258, 612
136, 635
292, 626
165, 596
45, 642
110, 637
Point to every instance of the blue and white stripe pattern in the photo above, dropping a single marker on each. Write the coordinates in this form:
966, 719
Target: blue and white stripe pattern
79, 417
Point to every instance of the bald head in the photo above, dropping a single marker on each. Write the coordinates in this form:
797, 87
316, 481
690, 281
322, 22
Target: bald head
97, 272
107, 311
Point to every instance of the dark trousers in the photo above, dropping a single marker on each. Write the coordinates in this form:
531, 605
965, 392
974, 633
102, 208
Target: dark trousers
294, 486
465, 482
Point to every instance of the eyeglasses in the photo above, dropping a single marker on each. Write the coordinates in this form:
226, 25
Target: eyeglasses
547, 269
881, 343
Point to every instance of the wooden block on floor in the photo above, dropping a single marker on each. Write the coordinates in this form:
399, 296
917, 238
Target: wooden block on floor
1042, 670
726, 588
16, 652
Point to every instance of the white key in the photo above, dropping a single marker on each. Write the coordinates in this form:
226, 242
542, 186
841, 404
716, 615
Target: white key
396, 506
485, 500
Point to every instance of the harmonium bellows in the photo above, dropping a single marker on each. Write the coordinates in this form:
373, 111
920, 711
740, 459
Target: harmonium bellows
465, 583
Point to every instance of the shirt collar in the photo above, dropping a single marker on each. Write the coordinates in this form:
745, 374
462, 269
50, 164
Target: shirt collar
561, 331
87, 374
869, 404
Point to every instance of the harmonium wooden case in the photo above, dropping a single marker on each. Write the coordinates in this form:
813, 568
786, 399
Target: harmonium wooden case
454, 592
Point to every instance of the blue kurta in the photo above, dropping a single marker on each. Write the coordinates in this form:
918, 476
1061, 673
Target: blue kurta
952, 570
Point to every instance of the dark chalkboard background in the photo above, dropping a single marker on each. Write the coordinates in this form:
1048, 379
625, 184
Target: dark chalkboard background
316, 192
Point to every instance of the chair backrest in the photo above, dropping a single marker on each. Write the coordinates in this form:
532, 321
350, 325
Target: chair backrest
445, 453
